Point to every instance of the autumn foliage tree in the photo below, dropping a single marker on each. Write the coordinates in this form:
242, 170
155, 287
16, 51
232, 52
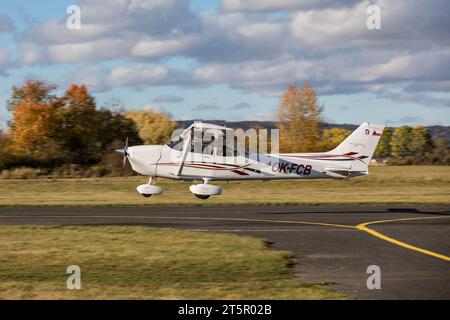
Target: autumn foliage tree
85, 131
33, 91
32, 135
411, 145
383, 149
299, 116
47, 130
421, 140
6, 158
34, 122
153, 127
331, 138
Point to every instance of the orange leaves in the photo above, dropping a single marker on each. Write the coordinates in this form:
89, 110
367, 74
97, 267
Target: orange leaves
43, 123
32, 91
32, 126
299, 116
78, 97
78, 93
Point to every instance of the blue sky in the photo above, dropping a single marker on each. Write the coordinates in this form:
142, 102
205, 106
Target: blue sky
231, 59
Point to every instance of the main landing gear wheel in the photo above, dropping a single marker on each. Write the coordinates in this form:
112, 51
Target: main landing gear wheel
149, 189
202, 196
205, 190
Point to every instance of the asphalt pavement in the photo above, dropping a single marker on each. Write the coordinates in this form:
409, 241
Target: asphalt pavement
333, 244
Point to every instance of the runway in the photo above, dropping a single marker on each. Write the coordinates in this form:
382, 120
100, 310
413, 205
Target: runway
333, 244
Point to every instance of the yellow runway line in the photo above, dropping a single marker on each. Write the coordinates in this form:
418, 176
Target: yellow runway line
363, 227
271, 221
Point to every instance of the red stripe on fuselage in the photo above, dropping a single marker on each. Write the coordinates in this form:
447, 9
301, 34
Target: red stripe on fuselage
241, 173
202, 166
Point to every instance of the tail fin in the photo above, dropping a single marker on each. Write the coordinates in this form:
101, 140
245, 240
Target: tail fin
361, 144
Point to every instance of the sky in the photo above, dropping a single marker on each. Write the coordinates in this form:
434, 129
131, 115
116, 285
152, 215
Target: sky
232, 59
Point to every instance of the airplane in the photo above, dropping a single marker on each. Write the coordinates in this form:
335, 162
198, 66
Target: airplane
191, 156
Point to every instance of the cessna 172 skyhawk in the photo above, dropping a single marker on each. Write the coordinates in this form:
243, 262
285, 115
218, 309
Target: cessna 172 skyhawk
188, 157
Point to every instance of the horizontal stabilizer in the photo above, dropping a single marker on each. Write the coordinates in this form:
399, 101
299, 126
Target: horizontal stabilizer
338, 172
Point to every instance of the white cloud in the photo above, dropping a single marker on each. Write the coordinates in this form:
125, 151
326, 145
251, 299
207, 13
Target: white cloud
6, 24
119, 29
261, 30
206, 107
426, 99
137, 75
151, 48
254, 75
278, 5
5, 60
87, 51
436, 86
420, 66
97, 10
148, 5
404, 24
56, 32
93, 75
332, 28
168, 98
30, 57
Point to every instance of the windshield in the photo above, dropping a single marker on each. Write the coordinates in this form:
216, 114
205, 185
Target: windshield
176, 144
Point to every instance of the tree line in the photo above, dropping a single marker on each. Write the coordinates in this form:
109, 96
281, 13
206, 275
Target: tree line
70, 134
300, 119
69, 131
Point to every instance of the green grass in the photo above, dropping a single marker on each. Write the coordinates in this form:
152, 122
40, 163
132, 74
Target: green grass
145, 263
384, 185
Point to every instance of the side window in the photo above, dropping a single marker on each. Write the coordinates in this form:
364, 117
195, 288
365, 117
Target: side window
230, 148
203, 142
208, 145
196, 135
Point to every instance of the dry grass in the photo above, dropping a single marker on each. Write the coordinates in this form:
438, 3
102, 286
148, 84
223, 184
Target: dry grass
145, 263
384, 185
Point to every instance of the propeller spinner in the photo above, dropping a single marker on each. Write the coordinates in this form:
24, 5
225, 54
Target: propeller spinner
124, 150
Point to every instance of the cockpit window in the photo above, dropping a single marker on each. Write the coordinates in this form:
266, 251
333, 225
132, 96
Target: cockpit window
176, 144
211, 142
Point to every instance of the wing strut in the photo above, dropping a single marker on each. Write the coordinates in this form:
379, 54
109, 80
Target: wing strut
186, 149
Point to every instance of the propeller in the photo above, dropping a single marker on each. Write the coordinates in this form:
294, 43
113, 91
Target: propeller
124, 150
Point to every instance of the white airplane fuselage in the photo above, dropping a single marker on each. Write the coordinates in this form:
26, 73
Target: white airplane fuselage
162, 161
351, 158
